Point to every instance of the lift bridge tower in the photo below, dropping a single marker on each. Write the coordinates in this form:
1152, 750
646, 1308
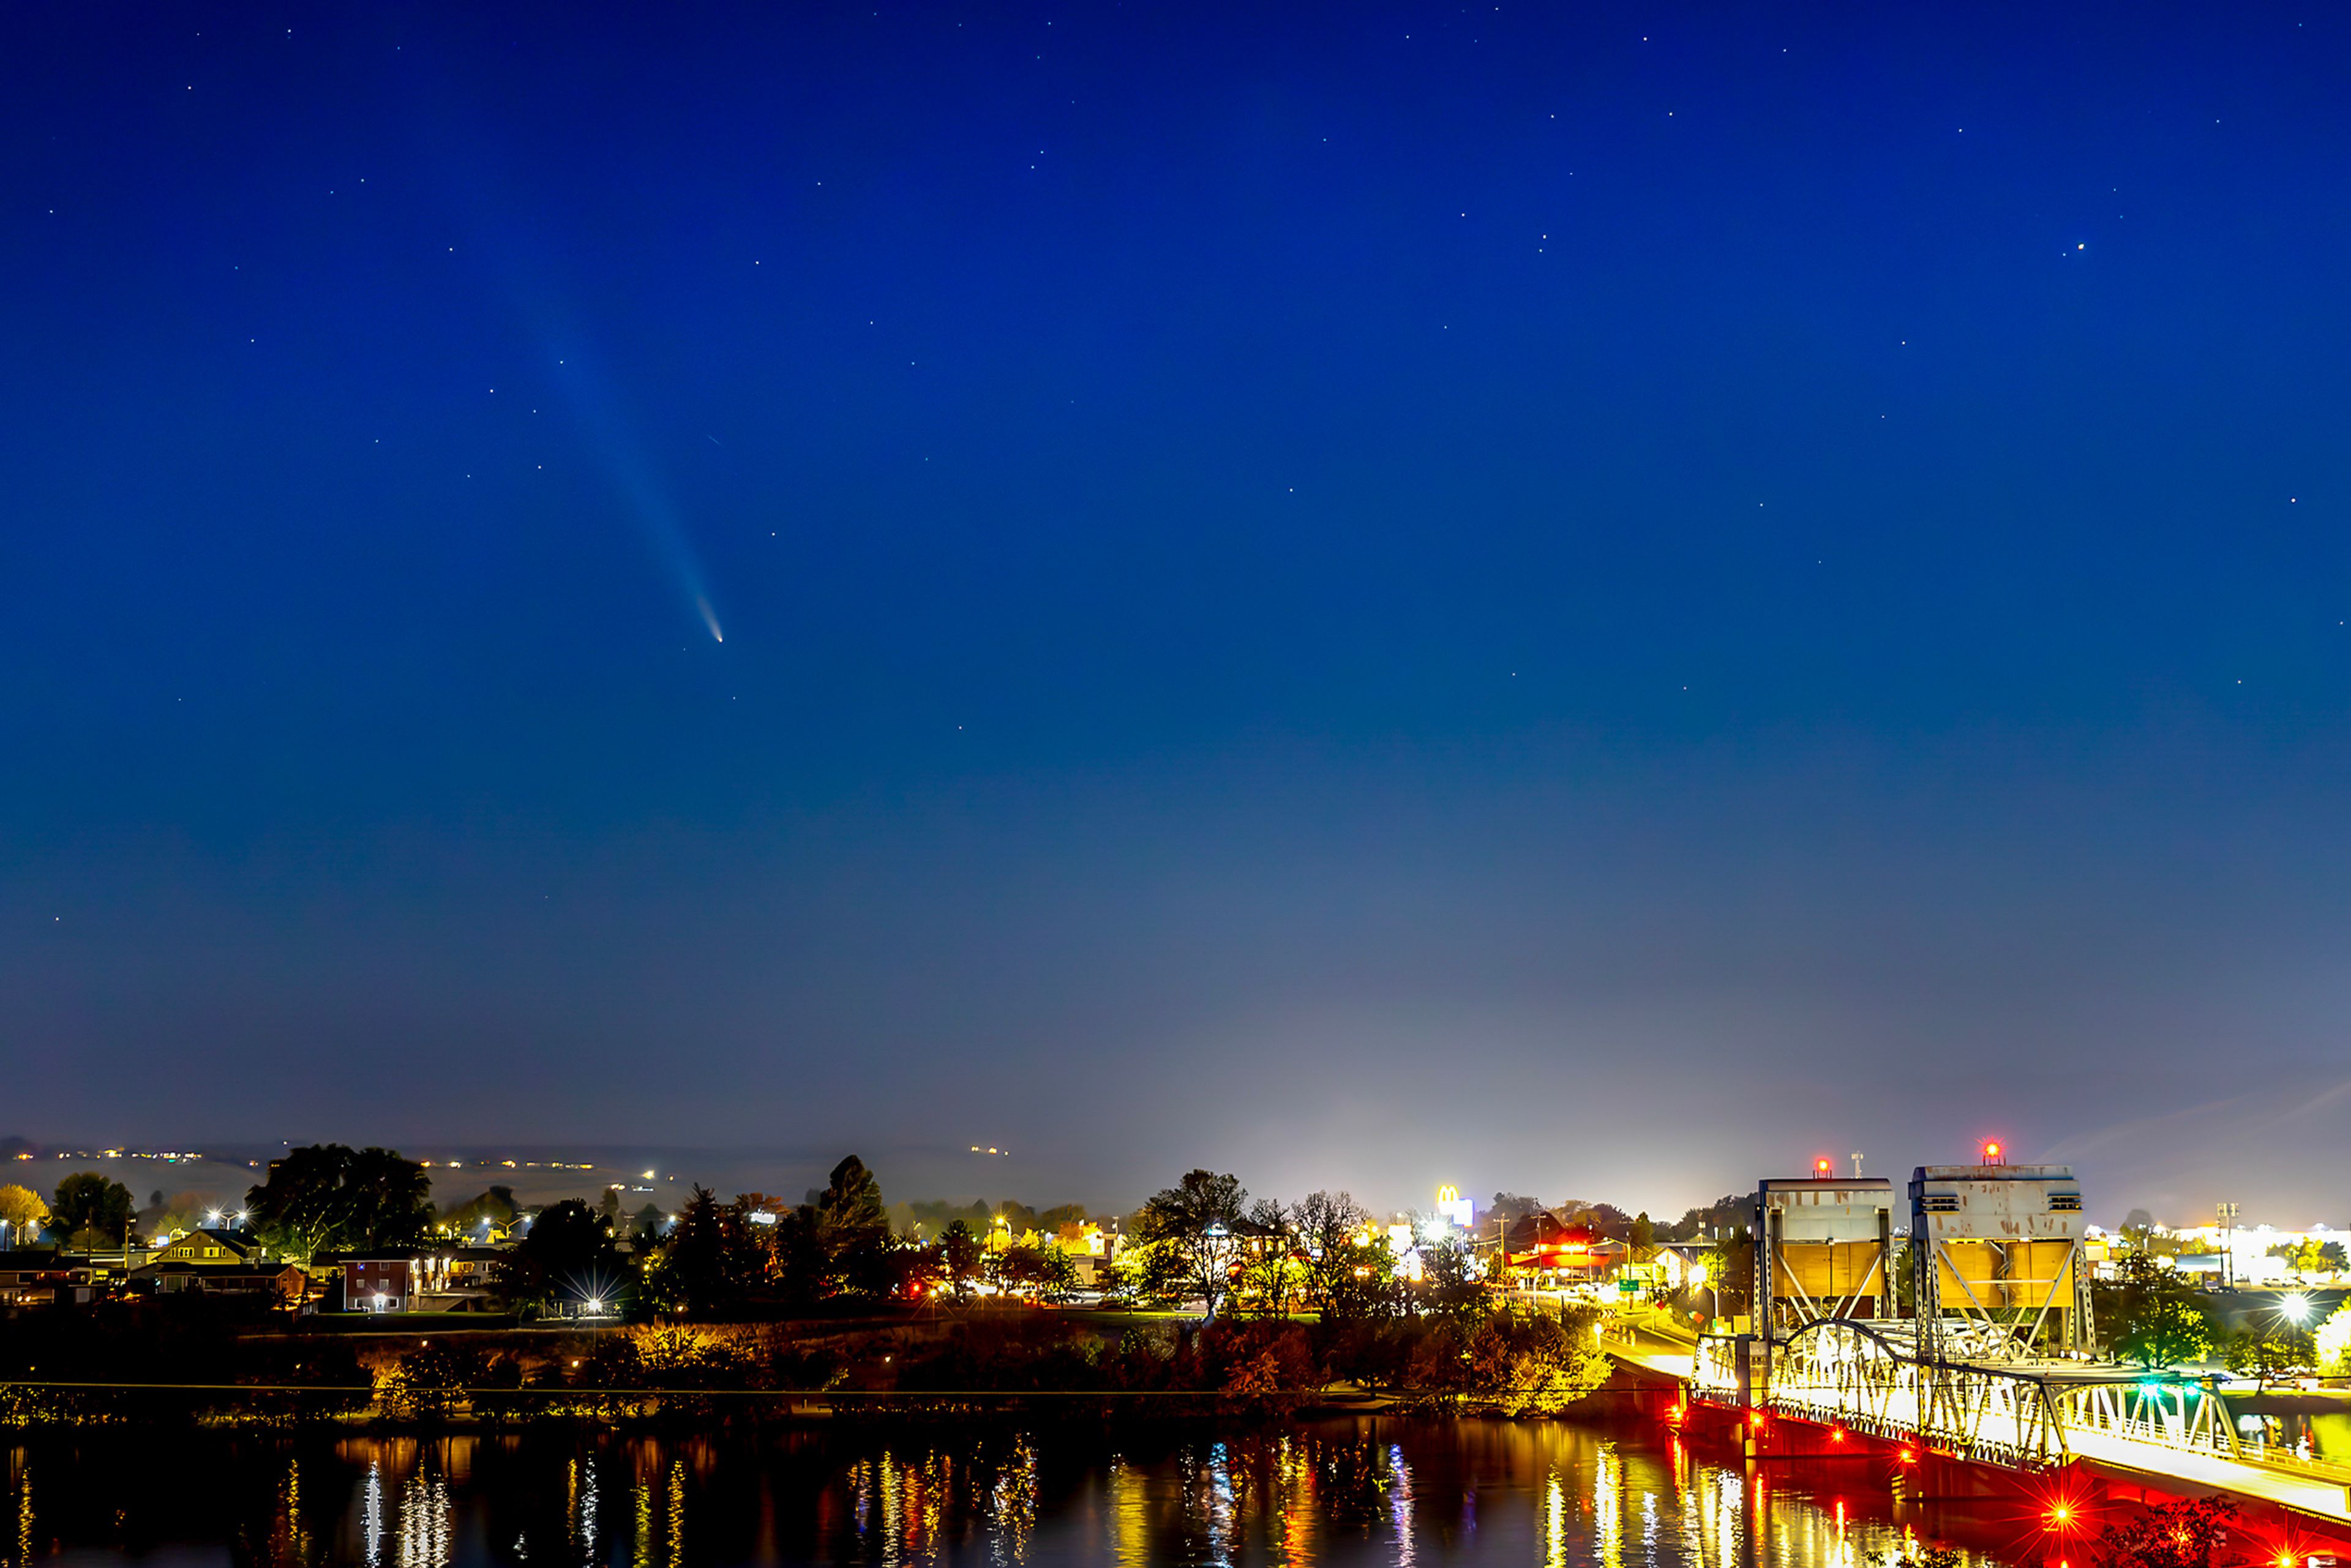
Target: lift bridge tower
1823, 1251
1997, 1261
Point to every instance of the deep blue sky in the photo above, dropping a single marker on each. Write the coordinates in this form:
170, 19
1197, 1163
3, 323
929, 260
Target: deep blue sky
1587, 600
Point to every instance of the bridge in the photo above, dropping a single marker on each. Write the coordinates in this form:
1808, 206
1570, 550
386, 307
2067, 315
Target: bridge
1968, 1346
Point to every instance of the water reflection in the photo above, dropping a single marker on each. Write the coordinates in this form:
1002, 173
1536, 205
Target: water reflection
1388, 1491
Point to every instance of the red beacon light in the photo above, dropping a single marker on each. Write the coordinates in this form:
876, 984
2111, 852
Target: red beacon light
1991, 1152
1821, 1167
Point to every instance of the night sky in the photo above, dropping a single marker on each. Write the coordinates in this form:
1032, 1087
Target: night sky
1593, 600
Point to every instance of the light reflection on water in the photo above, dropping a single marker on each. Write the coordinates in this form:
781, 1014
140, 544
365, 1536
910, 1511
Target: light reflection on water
1339, 1493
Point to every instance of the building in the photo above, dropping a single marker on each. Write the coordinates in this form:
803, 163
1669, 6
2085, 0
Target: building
214, 1247
1997, 1257
392, 1281
43, 1279
473, 1268
276, 1284
1825, 1248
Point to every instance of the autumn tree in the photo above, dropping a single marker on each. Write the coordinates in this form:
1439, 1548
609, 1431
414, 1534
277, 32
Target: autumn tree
22, 1212
2174, 1536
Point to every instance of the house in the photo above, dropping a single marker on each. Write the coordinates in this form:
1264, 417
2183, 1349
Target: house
279, 1284
214, 1247
393, 1280
474, 1267
40, 1279
1688, 1265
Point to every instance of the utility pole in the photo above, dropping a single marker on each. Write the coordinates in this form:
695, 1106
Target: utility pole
2228, 1212
1856, 1164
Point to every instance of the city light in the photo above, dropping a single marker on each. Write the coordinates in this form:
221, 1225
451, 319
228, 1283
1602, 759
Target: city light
2295, 1308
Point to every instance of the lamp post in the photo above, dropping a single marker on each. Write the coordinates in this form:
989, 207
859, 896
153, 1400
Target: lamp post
2228, 1212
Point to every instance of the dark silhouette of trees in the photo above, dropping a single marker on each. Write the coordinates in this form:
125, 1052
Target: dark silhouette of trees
326, 1196
960, 1257
712, 1259
92, 1211
496, 1205
567, 1253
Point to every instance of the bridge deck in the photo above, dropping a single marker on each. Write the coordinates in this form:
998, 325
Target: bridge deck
2158, 1466
2317, 1497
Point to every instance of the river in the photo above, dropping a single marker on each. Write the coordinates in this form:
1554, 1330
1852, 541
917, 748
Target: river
1368, 1490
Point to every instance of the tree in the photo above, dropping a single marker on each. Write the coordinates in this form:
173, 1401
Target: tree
1057, 1274
2279, 1353
22, 1212
568, 1252
2310, 1256
326, 1196
1449, 1285
1716, 1221
850, 1213
2331, 1347
93, 1211
2150, 1314
386, 1201
2178, 1535
181, 1211
960, 1257
2165, 1334
1734, 1273
711, 1260
1189, 1229
1272, 1272
494, 1209
1327, 1225
1363, 1281
1641, 1241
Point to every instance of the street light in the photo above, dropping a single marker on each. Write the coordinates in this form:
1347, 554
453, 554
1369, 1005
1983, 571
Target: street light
2295, 1308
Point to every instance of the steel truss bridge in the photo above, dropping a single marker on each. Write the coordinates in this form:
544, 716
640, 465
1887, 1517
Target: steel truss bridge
1998, 1407
2006, 1408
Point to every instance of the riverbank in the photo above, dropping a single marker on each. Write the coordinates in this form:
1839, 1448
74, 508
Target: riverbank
84, 1370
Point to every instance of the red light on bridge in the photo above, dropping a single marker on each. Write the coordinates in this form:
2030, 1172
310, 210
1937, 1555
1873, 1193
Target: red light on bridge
1821, 1167
1991, 1153
1908, 1457
1837, 1435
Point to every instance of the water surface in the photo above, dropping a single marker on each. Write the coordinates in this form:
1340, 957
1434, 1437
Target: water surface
1345, 1492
